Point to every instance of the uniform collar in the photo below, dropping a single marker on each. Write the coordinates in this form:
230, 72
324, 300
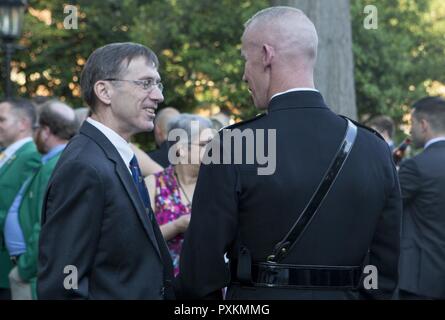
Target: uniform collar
297, 99
293, 90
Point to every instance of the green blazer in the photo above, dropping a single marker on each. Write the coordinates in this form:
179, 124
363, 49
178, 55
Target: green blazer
29, 218
12, 175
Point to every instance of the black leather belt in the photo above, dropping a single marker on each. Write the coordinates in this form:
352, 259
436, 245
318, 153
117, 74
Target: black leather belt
297, 276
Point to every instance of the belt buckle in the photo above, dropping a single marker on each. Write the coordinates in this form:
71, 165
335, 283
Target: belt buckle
271, 275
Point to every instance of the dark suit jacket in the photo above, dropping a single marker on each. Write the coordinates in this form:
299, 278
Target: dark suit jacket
422, 260
161, 155
232, 204
93, 219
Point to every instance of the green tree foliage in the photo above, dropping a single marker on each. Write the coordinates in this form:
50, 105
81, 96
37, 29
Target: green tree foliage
400, 61
198, 43
199, 48
53, 56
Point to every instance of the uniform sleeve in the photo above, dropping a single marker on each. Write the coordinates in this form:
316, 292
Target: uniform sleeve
71, 222
212, 230
385, 247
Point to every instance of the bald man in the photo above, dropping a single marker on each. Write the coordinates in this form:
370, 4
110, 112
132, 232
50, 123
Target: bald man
246, 216
161, 121
57, 124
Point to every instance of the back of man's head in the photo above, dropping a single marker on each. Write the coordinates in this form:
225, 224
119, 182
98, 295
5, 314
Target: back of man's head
110, 62
59, 118
17, 118
289, 31
431, 109
383, 124
161, 122
82, 114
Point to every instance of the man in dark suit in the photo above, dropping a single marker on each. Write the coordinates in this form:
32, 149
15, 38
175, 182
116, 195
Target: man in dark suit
238, 212
385, 126
161, 122
422, 180
99, 239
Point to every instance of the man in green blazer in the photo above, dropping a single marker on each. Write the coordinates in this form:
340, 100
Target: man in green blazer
18, 161
57, 124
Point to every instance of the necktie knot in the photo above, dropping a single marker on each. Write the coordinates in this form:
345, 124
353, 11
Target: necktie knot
134, 162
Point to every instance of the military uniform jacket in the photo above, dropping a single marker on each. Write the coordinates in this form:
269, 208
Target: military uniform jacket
232, 204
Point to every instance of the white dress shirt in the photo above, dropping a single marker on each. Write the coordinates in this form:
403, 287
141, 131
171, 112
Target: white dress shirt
430, 142
122, 146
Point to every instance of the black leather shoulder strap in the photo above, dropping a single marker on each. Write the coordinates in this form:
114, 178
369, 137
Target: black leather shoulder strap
294, 235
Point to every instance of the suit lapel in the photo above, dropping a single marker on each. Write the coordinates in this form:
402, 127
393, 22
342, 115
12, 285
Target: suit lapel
127, 181
125, 177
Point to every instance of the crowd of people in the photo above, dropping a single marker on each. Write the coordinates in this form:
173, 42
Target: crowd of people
141, 224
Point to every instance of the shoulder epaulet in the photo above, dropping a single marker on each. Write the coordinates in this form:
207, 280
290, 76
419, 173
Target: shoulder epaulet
238, 124
361, 125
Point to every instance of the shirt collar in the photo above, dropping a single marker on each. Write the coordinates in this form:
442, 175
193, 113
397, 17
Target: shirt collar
13, 148
293, 90
434, 140
122, 146
53, 152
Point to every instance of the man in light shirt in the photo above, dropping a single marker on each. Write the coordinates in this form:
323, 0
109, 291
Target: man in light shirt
99, 239
422, 179
18, 161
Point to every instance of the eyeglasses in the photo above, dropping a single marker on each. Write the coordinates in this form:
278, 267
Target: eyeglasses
202, 144
147, 85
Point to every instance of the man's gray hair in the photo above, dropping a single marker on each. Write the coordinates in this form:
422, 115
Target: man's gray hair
108, 62
272, 13
286, 27
184, 122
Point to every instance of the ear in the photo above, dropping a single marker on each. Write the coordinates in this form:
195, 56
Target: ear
268, 55
158, 132
45, 132
23, 123
103, 91
424, 125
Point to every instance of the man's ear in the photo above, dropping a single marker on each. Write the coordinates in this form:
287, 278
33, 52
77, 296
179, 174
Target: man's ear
44, 133
268, 55
103, 91
425, 125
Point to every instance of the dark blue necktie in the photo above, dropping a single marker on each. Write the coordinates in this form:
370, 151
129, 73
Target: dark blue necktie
140, 185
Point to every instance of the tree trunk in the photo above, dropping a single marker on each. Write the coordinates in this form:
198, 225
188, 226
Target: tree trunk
334, 72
